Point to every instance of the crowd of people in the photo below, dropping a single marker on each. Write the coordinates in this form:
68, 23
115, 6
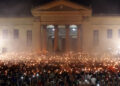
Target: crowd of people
58, 72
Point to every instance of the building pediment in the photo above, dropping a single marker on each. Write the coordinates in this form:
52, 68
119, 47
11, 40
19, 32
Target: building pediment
60, 5
60, 8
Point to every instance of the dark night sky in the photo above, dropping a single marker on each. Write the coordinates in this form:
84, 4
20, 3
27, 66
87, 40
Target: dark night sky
23, 7
107, 7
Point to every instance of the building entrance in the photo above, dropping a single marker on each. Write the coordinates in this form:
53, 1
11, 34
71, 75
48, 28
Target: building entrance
62, 38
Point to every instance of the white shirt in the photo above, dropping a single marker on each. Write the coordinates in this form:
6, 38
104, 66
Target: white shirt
93, 80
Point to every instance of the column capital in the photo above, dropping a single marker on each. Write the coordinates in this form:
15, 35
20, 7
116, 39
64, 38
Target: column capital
36, 19
44, 25
56, 26
79, 26
67, 26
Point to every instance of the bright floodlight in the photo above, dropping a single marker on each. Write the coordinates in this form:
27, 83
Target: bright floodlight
73, 29
53, 29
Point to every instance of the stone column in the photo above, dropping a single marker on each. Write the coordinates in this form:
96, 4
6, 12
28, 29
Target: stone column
67, 41
56, 35
36, 34
79, 36
44, 38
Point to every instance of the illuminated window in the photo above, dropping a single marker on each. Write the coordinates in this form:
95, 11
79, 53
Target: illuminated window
96, 37
109, 33
29, 37
73, 30
119, 33
16, 34
4, 50
51, 29
5, 34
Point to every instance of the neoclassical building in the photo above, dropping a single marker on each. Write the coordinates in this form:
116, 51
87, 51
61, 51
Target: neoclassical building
60, 26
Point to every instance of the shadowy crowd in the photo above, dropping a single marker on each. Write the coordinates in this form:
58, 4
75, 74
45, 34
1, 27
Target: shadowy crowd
31, 74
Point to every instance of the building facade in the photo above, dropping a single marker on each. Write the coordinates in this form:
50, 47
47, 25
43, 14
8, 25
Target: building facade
60, 26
